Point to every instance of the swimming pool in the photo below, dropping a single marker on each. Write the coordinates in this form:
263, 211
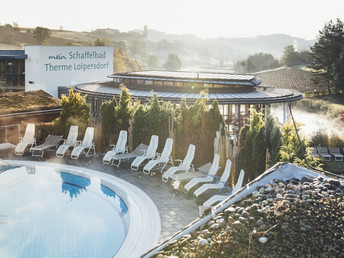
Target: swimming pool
50, 210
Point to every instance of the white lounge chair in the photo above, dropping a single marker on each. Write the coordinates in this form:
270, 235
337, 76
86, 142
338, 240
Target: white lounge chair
163, 159
125, 156
69, 142
323, 152
335, 152
184, 166
28, 139
119, 148
220, 197
218, 185
206, 178
315, 152
52, 141
149, 154
86, 146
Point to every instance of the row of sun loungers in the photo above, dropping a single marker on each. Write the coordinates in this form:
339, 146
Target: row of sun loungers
327, 153
200, 182
86, 146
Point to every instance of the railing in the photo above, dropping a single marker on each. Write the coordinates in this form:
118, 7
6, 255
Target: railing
10, 133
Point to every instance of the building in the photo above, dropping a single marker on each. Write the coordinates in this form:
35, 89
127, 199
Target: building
49, 67
12, 69
236, 94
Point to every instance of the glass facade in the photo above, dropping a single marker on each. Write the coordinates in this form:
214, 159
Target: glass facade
12, 69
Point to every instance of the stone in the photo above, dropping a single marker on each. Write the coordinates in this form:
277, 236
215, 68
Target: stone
263, 240
202, 242
334, 182
238, 225
255, 194
231, 209
230, 220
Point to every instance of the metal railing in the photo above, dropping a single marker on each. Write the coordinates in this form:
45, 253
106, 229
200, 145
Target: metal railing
10, 133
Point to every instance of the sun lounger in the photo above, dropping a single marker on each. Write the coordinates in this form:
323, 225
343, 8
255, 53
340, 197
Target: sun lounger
117, 159
220, 197
323, 152
28, 139
185, 165
206, 178
162, 159
335, 152
69, 142
119, 148
52, 141
148, 154
219, 183
315, 152
86, 146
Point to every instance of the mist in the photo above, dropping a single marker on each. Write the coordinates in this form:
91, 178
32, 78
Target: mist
311, 122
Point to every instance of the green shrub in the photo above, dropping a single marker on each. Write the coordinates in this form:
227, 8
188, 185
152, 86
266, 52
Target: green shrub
252, 147
116, 116
319, 138
336, 141
75, 111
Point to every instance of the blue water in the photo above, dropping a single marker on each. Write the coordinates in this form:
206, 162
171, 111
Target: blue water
49, 213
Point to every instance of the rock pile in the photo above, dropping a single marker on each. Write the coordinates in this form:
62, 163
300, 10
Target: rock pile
292, 218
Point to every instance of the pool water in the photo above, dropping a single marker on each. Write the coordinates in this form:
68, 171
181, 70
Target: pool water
50, 213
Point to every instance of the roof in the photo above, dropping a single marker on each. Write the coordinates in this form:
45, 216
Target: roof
12, 54
13, 102
195, 77
259, 95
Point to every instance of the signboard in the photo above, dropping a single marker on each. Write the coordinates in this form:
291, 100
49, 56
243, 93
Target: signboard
47, 67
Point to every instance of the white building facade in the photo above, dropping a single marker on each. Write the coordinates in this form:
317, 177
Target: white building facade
50, 67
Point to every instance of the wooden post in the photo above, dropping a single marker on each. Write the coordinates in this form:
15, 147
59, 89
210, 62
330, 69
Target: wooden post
130, 135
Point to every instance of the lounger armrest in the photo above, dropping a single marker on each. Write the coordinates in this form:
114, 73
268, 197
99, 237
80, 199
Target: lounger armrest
179, 160
113, 146
78, 143
192, 167
20, 139
157, 155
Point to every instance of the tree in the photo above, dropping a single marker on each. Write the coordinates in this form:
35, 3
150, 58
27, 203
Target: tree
42, 35
75, 111
252, 146
256, 62
289, 57
153, 62
173, 62
115, 116
122, 63
338, 71
138, 47
327, 50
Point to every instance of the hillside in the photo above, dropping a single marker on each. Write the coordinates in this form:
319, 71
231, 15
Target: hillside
291, 78
193, 51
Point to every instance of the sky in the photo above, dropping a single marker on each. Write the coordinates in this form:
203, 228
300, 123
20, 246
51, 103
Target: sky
203, 18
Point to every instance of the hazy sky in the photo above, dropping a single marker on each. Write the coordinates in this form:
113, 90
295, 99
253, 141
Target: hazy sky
204, 18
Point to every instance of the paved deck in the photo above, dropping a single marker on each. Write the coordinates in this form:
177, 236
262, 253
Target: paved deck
176, 210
